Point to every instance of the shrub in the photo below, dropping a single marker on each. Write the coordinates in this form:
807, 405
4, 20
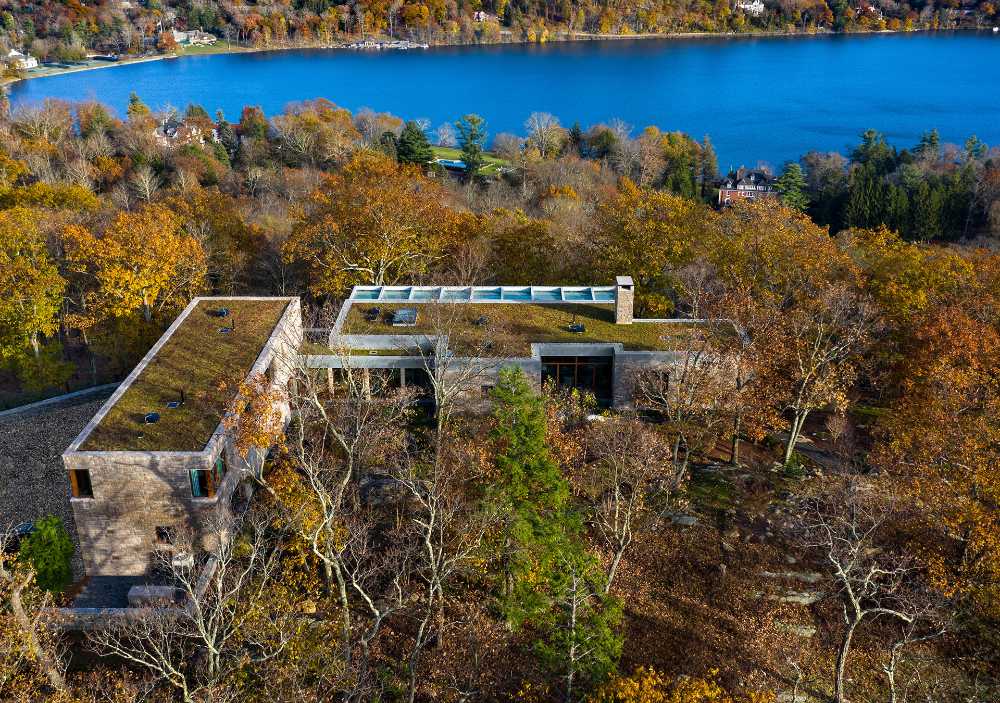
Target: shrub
48, 551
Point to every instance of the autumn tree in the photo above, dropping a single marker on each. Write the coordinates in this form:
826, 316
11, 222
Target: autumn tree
374, 222
31, 289
643, 233
848, 529
628, 469
941, 437
143, 261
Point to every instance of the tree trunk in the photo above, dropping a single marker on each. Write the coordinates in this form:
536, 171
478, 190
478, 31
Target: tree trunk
615, 562
46, 661
845, 648
793, 433
734, 451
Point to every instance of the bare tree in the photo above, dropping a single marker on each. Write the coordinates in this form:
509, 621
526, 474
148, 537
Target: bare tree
822, 337
145, 183
691, 393
339, 430
846, 529
221, 618
544, 132
445, 136
629, 457
449, 527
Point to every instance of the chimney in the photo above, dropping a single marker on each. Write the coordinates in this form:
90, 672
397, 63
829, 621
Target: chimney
624, 294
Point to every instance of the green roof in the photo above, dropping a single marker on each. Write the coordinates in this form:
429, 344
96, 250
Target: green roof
513, 327
198, 360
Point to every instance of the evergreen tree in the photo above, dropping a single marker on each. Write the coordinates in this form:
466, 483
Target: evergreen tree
472, 140
929, 146
48, 551
388, 144
227, 135
792, 187
709, 166
533, 496
575, 139
413, 147
550, 580
136, 107
927, 205
875, 152
864, 198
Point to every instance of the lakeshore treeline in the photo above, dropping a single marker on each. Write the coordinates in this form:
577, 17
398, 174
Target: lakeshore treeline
66, 31
822, 526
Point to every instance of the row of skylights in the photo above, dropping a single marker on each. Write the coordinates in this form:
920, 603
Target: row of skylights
486, 294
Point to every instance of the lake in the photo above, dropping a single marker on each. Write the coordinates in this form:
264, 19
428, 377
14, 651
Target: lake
760, 99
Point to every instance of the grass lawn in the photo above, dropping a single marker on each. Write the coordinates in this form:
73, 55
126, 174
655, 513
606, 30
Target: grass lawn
513, 327
492, 165
220, 47
198, 360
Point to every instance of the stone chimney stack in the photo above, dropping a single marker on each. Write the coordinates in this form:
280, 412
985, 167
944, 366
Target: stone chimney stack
624, 297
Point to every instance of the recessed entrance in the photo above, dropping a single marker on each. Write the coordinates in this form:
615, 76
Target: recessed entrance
592, 374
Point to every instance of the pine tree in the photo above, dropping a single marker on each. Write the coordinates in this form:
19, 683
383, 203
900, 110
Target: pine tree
413, 147
709, 166
472, 140
792, 187
533, 496
550, 580
48, 550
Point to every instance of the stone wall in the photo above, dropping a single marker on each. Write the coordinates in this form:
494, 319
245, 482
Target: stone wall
136, 492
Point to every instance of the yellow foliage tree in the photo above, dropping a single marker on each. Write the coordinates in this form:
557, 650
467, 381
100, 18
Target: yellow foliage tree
374, 222
143, 261
649, 686
31, 289
643, 233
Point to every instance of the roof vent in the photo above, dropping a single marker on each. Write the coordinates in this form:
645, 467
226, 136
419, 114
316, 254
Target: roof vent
372, 314
221, 312
481, 321
151, 418
174, 404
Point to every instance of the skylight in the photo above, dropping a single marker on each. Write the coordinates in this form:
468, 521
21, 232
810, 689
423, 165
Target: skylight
486, 294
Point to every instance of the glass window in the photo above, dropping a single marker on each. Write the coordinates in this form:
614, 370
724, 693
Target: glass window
79, 481
202, 485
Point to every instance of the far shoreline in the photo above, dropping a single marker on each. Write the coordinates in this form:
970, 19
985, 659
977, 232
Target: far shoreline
564, 37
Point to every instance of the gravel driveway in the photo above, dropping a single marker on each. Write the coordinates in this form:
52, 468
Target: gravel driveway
33, 482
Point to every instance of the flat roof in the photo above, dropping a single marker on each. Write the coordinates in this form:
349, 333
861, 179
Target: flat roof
512, 329
196, 359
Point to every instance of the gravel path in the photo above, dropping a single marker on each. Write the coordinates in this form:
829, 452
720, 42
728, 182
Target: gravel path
33, 482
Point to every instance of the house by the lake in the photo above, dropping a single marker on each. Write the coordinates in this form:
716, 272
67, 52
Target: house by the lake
572, 337
747, 184
20, 61
195, 37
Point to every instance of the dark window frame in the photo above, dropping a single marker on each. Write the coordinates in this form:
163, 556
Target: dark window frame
81, 486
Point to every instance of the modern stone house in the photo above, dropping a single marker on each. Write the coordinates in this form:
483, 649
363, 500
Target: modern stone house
156, 459
582, 337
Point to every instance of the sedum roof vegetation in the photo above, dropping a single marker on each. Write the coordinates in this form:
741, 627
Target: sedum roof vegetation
199, 360
512, 328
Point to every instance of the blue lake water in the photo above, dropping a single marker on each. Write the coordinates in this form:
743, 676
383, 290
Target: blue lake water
760, 99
